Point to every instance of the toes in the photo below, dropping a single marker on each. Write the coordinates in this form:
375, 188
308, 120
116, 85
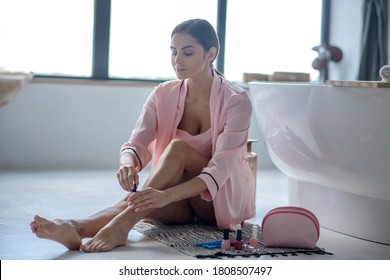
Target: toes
34, 228
39, 224
89, 247
95, 247
105, 248
40, 220
33, 225
83, 248
86, 247
101, 247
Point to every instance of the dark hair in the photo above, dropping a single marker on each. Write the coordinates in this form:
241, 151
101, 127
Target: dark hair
201, 30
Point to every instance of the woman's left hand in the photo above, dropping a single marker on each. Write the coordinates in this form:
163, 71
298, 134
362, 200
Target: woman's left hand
148, 198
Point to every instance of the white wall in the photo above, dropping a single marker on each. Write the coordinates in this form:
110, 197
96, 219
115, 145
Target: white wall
67, 126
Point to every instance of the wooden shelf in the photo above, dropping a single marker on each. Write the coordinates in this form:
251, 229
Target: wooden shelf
360, 84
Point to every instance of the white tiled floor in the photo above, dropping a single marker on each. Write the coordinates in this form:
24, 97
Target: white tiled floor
74, 194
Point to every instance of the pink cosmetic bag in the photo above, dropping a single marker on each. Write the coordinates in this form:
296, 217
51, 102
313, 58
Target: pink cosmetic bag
291, 227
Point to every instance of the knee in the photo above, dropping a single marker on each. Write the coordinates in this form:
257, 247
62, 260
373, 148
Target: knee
176, 149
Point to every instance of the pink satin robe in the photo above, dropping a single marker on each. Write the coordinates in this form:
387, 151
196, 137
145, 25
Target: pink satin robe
227, 176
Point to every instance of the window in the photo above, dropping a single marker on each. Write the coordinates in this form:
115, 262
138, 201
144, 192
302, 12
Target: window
141, 34
47, 37
56, 38
265, 36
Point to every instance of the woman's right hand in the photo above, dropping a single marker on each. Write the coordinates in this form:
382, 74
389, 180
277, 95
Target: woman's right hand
127, 177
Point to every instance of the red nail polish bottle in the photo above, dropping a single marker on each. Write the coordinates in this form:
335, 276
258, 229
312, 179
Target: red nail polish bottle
238, 242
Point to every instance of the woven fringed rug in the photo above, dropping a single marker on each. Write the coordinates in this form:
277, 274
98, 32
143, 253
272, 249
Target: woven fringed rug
183, 238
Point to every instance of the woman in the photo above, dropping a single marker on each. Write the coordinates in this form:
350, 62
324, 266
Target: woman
194, 129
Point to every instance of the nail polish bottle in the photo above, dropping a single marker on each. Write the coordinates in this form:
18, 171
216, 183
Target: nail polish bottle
238, 243
254, 242
226, 240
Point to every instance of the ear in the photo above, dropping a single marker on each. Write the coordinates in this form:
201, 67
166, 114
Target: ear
212, 54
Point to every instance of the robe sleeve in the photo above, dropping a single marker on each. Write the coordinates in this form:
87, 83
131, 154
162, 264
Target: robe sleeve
230, 150
143, 135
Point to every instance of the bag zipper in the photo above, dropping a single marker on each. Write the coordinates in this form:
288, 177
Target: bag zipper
294, 210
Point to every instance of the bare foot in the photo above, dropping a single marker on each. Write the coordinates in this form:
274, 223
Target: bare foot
113, 235
107, 239
61, 231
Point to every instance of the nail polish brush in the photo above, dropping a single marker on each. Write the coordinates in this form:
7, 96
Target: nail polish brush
226, 240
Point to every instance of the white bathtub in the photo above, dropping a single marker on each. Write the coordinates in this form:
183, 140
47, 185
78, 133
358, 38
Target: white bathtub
333, 143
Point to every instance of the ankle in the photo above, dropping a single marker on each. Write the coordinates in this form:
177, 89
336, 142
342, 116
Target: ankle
77, 226
124, 221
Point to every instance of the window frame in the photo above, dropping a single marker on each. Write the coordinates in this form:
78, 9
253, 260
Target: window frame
101, 41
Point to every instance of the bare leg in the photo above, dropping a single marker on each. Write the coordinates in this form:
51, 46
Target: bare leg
178, 163
70, 232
